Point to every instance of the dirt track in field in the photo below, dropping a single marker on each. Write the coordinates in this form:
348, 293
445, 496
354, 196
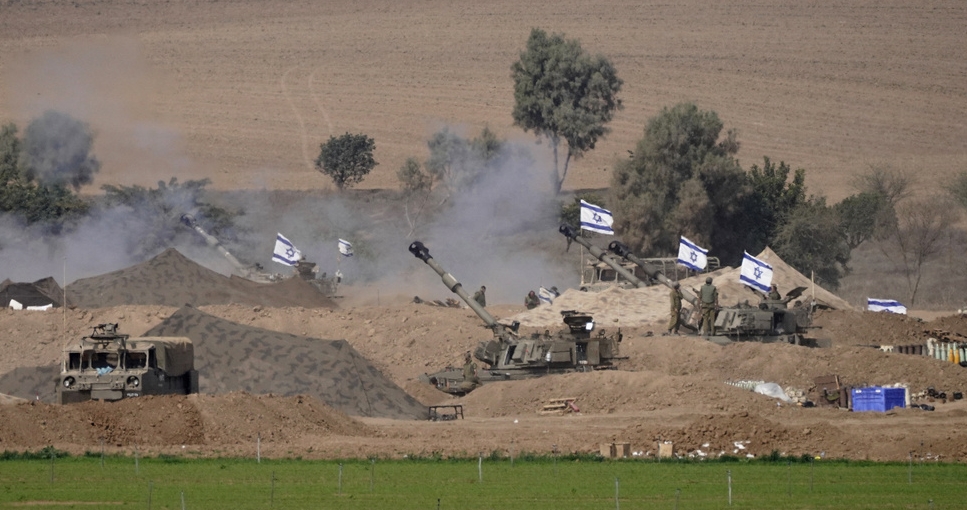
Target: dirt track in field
244, 92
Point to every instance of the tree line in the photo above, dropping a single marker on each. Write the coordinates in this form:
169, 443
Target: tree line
681, 178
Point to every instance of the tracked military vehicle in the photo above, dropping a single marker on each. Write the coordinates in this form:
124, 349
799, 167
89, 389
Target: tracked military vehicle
110, 366
766, 321
510, 356
256, 272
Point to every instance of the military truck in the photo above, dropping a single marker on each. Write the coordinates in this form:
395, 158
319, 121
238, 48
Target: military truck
580, 347
108, 365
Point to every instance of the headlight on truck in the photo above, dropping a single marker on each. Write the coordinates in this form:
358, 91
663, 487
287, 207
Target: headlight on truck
69, 382
134, 382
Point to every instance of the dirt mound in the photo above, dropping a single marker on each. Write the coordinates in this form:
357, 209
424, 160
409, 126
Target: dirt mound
171, 279
173, 420
234, 357
737, 434
881, 328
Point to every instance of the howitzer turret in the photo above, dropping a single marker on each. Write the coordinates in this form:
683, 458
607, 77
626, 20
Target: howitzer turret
510, 357
620, 249
190, 222
767, 321
601, 255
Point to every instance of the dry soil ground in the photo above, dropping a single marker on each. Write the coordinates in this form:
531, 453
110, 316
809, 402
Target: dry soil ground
669, 388
243, 92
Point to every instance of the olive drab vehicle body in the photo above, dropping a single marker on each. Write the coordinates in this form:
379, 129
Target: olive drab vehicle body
579, 347
110, 366
766, 321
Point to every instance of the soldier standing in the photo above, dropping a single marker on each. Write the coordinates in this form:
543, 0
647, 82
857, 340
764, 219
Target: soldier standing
470, 379
710, 301
531, 301
480, 296
676, 300
774, 293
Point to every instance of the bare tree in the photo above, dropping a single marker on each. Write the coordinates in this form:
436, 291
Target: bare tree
918, 236
886, 181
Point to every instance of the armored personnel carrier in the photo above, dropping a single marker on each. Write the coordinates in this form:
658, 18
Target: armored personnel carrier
765, 321
110, 366
509, 356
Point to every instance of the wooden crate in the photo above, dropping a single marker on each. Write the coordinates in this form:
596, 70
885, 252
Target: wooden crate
559, 406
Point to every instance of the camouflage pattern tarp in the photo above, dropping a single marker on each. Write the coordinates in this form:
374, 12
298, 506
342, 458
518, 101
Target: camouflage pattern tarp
42, 292
234, 357
171, 279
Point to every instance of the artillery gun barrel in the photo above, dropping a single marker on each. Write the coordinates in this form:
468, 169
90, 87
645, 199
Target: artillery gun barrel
421, 252
601, 255
190, 222
621, 250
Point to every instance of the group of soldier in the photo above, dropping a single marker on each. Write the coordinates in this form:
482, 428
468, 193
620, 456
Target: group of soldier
708, 304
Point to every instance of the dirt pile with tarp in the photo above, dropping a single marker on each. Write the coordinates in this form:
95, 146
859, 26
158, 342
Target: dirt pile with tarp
234, 357
171, 279
41, 293
641, 307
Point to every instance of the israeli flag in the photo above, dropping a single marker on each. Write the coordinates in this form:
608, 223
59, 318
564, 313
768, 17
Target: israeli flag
691, 255
596, 219
545, 295
885, 305
285, 252
346, 248
755, 273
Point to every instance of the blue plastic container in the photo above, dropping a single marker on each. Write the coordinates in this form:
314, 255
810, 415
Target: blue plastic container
876, 398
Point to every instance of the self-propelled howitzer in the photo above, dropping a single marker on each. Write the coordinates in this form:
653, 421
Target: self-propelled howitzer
571, 235
509, 356
767, 321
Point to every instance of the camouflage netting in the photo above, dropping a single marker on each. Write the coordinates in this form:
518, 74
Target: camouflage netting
171, 279
233, 357
39, 293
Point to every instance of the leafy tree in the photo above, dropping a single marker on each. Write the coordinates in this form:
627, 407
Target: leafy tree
156, 212
571, 210
772, 200
57, 151
681, 180
811, 241
561, 92
347, 159
457, 162
34, 201
859, 217
412, 177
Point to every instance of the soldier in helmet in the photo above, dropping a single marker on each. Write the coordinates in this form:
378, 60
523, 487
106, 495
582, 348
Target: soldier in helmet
676, 302
470, 379
774, 293
709, 297
480, 296
531, 301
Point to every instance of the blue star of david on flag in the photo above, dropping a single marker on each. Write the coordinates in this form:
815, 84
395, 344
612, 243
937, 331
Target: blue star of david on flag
596, 219
692, 255
285, 252
755, 273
